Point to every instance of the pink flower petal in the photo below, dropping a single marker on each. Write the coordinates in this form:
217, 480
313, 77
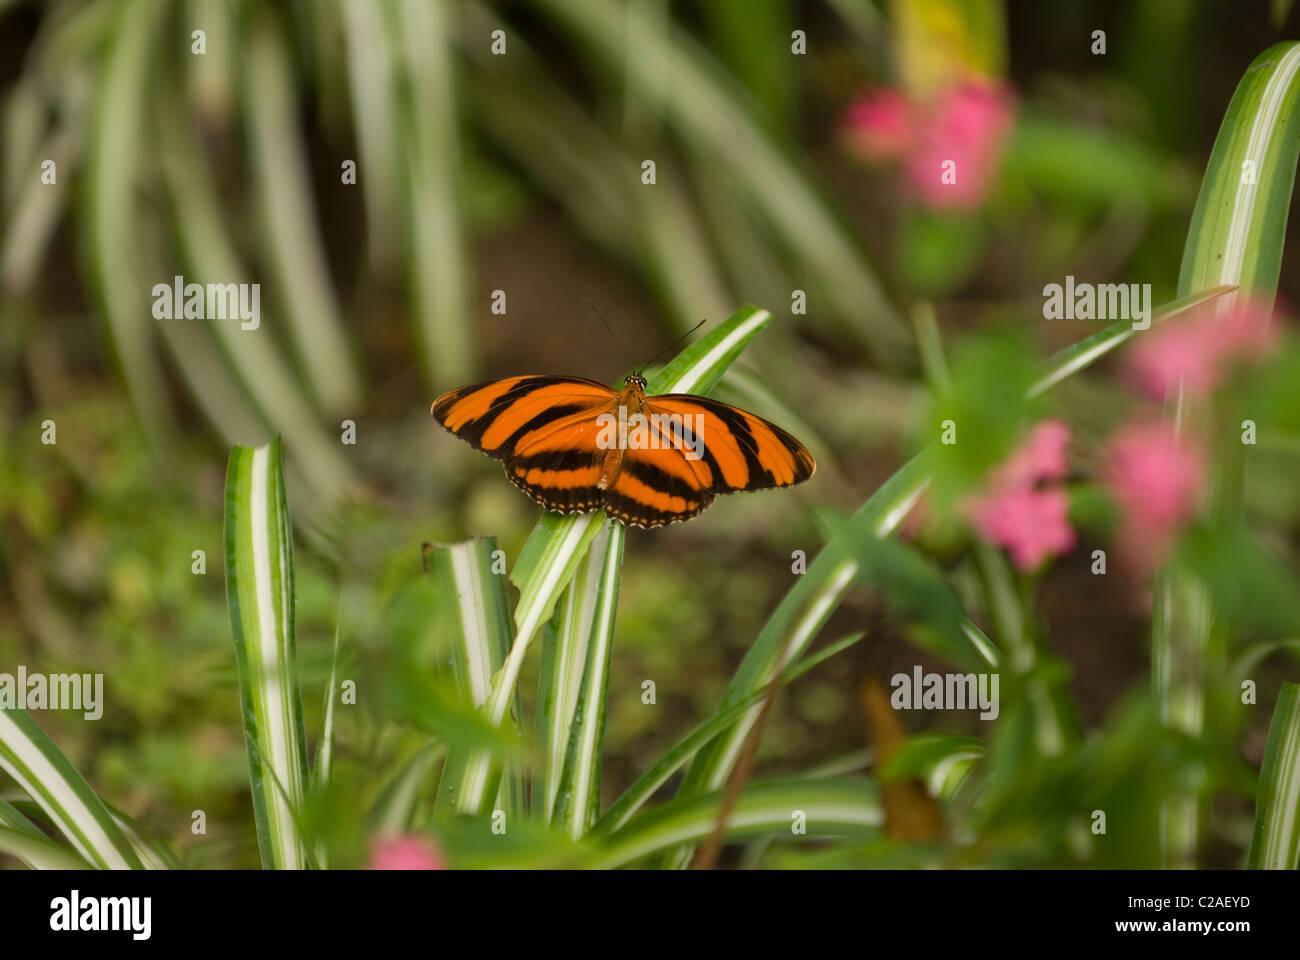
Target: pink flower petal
879, 124
1030, 521
1155, 476
1041, 457
1201, 348
405, 852
967, 125
1032, 524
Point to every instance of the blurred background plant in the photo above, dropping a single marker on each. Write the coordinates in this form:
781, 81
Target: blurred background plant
500, 147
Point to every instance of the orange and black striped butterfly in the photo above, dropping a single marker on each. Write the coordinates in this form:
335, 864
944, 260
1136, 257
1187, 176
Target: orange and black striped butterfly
575, 445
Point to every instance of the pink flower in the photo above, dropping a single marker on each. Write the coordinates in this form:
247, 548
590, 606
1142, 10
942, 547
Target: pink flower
1032, 524
879, 124
405, 852
1154, 474
965, 124
1040, 457
1202, 348
968, 127
1017, 510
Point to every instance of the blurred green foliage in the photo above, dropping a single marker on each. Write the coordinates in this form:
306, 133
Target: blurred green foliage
479, 172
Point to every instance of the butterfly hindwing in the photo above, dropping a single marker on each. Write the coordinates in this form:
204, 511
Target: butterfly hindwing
560, 480
657, 486
560, 465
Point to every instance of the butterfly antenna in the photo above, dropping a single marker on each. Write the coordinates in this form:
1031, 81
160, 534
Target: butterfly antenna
674, 343
611, 331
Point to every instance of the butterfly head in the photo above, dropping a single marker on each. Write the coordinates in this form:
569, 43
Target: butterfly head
635, 380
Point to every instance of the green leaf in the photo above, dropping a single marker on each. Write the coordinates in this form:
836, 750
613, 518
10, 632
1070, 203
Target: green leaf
38, 852
938, 252
394, 809
1236, 238
681, 753
942, 760
1276, 841
325, 740
260, 599
369, 76
562, 693
1087, 351
12, 817
428, 149
834, 808
1238, 228
914, 586
114, 164
475, 615
49, 778
549, 558
986, 405
593, 604
798, 618
708, 110
243, 365
290, 229
154, 854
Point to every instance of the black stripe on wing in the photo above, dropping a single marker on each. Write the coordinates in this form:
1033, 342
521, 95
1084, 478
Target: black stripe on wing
472, 430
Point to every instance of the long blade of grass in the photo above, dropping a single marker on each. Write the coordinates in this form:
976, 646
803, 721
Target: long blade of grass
370, 75
704, 104
21, 838
564, 655
473, 599
37, 851
12, 817
596, 604
810, 602
798, 618
153, 853
293, 236
114, 165
394, 809
210, 255
1276, 842
1086, 351
681, 752
1236, 238
550, 136
824, 807
260, 599
558, 543
324, 763
429, 156
49, 778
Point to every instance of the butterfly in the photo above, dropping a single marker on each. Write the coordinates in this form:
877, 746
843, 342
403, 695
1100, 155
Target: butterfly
575, 445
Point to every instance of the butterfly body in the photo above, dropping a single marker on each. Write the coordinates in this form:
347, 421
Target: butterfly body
575, 445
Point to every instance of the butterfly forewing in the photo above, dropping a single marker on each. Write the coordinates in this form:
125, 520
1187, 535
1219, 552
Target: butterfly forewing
495, 415
742, 451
